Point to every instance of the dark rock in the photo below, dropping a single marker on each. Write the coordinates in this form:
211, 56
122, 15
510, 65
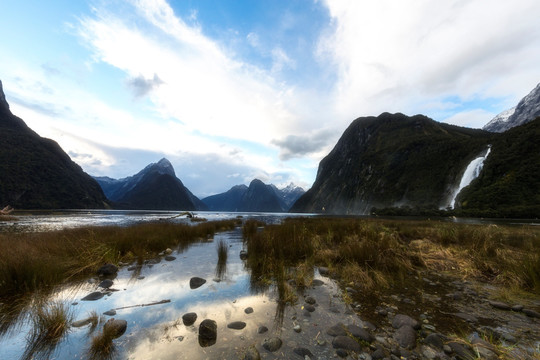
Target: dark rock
382, 312
196, 282
317, 282
170, 258
337, 330
517, 308
467, 317
236, 325
115, 328
303, 352
272, 344
262, 329
401, 320
309, 307
107, 270
248, 310
378, 354
107, 283
531, 313
111, 312
342, 353
189, 318
369, 326
434, 340
96, 295
207, 333
345, 342
310, 300
461, 351
81, 323
360, 333
252, 353
499, 305
406, 337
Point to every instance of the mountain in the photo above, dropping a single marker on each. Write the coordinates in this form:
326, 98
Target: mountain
227, 201
35, 173
258, 197
156, 187
509, 183
288, 195
526, 110
392, 161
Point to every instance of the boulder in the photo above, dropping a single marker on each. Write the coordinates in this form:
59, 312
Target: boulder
405, 337
248, 310
207, 333
360, 333
272, 344
401, 320
346, 343
115, 328
189, 318
107, 270
196, 282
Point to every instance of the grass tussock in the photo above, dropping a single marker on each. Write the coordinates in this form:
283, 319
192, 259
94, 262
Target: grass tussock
222, 252
50, 324
102, 345
378, 253
37, 261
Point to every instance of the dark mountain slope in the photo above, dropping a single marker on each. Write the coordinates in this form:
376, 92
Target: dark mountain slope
392, 160
156, 187
35, 173
230, 200
260, 197
509, 184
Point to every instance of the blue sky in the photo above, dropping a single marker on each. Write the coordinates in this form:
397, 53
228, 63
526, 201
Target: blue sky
235, 90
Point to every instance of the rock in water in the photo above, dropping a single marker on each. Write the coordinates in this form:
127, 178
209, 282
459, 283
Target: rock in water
196, 282
107, 270
347, 343
272, 344
107, 283
252, 353
207, 333
115, 328
96, 295
189, 318
237, 325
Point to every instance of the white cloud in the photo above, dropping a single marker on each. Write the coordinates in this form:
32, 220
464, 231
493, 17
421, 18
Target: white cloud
472, 119
390, 53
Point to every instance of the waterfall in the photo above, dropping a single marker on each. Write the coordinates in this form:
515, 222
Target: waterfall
471, 172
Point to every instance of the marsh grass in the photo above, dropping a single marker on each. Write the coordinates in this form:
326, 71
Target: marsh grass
50, 324
373, 253
221, 266
36, 261
102, 345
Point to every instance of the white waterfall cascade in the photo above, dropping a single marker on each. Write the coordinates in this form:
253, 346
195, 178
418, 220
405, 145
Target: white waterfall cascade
471, 172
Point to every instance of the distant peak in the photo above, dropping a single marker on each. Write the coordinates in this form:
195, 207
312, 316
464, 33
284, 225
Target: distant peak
163, 166
3, 101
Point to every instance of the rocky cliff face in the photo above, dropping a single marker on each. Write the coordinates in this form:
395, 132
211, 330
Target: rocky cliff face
260, 197
390, 161
35, 173
156, 187
527, 110
230, 200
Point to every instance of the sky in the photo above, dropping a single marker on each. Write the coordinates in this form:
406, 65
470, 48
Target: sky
230, 91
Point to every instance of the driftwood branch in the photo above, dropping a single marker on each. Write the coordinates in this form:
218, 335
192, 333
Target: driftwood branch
7, 210
141, 305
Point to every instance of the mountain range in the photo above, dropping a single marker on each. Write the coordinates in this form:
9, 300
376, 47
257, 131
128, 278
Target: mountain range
257, 197
156, 187
35, 173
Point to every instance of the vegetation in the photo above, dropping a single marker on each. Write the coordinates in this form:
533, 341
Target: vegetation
50, 324
221, 266
378, 253
33, 261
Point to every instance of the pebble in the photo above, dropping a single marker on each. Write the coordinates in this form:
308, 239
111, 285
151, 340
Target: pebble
297, 328
196, 282
272, 344
262, 329
236, 325
310, 300
248, 310
111, 312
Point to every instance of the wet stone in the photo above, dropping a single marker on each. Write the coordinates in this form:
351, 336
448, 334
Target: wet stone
272, 344
170, 258
342, 353
248, 310
309, 307
297, 328
401, 320
252, 353
207, 333
236, 325
262, 329
467, 317
317, 282
434, 340
196, 282
336, 330
405, 337
107, 283
360, 333
345, 342
517, 308
499, 305
115, 328
96, 295
107, 270
81, 323
189, 318
323, 271
111, 312
531, 313
310, 300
